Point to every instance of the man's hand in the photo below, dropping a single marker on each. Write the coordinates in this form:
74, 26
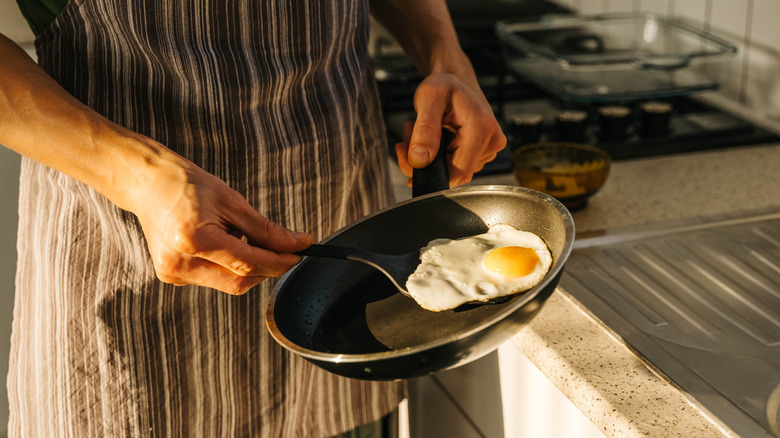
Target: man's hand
447, 99
200, 231
450, 94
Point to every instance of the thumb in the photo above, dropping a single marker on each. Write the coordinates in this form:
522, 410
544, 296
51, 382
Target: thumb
426, 134
424, 144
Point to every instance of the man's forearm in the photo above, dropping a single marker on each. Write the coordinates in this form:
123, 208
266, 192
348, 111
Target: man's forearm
425, 31
40, 120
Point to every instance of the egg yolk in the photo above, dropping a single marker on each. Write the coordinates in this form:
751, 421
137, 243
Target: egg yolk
512, 261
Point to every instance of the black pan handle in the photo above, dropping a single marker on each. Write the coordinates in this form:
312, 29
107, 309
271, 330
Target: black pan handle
435, 176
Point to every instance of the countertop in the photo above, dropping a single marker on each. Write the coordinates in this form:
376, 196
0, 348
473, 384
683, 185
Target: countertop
613, 385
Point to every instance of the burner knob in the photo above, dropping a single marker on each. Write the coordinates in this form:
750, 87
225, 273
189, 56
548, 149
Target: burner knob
613, 122
654, 118
527, 128
571, 125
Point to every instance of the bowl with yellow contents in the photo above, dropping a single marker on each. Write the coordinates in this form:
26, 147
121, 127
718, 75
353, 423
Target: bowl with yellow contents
569, 172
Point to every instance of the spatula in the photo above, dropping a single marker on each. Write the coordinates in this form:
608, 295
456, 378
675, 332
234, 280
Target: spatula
397, 268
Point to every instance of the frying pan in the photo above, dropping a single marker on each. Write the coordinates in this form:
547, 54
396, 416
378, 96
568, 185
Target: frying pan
349, 319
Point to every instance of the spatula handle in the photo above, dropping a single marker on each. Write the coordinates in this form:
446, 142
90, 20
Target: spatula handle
336, 252
435, 176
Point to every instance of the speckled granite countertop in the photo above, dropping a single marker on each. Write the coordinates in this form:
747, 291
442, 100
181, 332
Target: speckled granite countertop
607, 380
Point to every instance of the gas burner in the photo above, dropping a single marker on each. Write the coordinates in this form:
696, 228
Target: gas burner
636, 129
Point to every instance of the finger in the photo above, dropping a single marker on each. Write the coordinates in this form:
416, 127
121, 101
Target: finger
240, 257
484, 160
484, 139
430, 104
213, 243
497, 141
264, 232
402, 150
204, 273
402, 154
469, 148
495, 146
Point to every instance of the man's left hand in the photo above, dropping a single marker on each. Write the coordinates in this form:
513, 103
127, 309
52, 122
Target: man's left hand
447, 99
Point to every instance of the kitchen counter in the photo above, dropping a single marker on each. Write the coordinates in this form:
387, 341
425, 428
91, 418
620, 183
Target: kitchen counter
613, 385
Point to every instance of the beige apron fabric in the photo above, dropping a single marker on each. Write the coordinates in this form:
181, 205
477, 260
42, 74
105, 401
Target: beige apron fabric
274, 97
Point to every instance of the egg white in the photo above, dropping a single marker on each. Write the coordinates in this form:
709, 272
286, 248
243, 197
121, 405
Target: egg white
452, 272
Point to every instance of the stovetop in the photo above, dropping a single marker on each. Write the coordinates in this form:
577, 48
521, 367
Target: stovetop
684, 124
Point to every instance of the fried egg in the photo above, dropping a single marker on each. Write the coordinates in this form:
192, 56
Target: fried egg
498, 263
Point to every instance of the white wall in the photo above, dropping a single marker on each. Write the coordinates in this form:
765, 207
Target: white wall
12, 24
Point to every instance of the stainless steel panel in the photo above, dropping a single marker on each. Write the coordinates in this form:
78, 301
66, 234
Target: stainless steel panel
701, 301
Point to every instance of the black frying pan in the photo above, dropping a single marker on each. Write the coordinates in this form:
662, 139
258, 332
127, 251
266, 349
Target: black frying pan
349, 319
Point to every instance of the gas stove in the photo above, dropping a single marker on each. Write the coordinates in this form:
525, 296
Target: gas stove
529, 114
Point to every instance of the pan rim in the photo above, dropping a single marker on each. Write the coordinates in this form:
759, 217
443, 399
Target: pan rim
393, 354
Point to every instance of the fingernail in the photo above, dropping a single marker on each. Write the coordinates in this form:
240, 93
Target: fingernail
297, 235
418, 156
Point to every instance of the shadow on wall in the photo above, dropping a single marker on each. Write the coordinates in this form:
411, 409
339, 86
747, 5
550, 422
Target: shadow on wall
763, 80
9, 193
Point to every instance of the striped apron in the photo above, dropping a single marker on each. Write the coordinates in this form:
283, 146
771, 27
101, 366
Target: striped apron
274, 97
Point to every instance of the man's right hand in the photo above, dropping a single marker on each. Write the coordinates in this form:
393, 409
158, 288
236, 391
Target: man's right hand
200, 231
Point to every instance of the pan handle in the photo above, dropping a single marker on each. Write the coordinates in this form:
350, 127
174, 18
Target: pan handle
435, 176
